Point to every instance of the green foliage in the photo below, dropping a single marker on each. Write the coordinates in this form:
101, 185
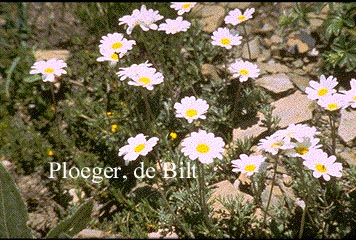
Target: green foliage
13, 214
73, 224
337, 36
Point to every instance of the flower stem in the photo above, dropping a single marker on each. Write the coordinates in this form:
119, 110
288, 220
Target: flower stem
270, 192
185, 229
305, 198
333, 133
247, 42
202, 192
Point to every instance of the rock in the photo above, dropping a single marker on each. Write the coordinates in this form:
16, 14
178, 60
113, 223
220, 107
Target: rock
255, 49
220, 191
264, 56
276, 83
298, 44
211, 16
295, 108
300, 81
90, 233
347, 129
251, 129
239, 5
276, 198
48, 54
6, 164
349, 156
298, 63
307, 38
276, 39
287, 180
209, 71
2, 21
162, 234
272, 67
73, 193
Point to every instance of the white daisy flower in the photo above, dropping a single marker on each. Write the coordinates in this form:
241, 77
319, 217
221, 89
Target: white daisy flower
297, 132
223, 38
174, 26
147, 77
137, 146
143, 17
332, 102
131, 20
247, 164
235, 16
273, 144
304, 148
322, 89
109, 55
182, 7
117, 43
322, 165
350, 95
133, 71
244, 70
49, 69
191, 108
203, 146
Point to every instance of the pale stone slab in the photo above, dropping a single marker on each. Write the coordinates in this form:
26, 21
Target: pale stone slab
276, 83
41, 55
347, 127
295, 108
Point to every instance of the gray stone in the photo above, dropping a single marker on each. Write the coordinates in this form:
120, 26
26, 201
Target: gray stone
276, 198
300, 81
298, 63
251, 129
255, 49
161, 234
272, 67
220, 191
90, 233
295, 108
210, 16
277, 83
209, 71
347, 129
349, 156
48, 54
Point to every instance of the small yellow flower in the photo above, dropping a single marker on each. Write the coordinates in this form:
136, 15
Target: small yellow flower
53, 108
173, 135
50, 153
108, 114
114, 127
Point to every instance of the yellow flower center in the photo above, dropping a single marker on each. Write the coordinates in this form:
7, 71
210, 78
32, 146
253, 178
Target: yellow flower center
202, 148
114, 127
243, 72
114, 56
191, 112
50, 153
250, 167
173, 135
144, 80
322, 91
185, 6
332, 106
116, 45
321, 167
139, 148
302, 150
241, 18
49, 70
225, 41
276, 144
108, 114
354, 98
